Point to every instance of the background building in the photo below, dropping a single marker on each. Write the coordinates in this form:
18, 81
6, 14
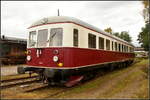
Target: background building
140, 52
12, 50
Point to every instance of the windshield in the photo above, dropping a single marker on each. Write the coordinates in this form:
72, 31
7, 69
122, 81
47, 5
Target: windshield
42, 38
32, 39
56, 37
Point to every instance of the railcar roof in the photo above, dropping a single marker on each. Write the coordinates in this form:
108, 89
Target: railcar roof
55, 19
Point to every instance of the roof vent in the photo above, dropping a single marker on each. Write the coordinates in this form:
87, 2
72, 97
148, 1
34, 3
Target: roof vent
45, 21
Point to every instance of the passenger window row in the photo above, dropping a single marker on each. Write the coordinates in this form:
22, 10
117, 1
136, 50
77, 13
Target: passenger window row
102, 44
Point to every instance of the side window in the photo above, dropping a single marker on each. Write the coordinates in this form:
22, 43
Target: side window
112, 45
91, 41
101, 43
132, 49
122, 48
115, 46
75, 37
107, 44
119, 47
125, 48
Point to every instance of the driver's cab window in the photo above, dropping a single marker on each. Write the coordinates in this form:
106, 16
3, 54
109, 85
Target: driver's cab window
42, 38
56, 37
32, 39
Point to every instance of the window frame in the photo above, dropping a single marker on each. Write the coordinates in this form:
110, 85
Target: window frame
42, 33
116, 46
112, 45
122, 48
50, 30
108, 45
101, 46
30, 39
119, 47
74, 38
92, 41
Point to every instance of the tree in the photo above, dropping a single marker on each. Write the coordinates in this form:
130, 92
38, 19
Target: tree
109, 30
116, 34
146, 10
125, 36
143, 37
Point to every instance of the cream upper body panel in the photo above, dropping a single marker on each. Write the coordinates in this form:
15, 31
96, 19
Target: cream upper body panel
68, 24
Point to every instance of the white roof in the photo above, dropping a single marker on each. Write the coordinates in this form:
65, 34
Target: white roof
55, 19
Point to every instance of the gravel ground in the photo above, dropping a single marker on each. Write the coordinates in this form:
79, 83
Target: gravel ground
10, 70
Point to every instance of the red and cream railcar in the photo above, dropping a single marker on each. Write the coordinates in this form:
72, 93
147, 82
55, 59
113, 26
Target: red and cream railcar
65, 48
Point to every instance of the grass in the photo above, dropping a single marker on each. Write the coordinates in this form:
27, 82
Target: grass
143, 91
93, 84
145, 70
121, 84
128, 80
98, 82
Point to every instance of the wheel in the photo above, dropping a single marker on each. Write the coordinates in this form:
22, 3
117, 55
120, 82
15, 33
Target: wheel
111, 67
126, 64
20, 70
119, 65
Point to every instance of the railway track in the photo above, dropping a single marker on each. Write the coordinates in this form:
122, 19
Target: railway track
57, 93
15, 79
54, 92
36, 86
20, 81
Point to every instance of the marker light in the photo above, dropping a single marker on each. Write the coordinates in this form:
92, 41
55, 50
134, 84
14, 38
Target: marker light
28, 52
60, 64
55, 58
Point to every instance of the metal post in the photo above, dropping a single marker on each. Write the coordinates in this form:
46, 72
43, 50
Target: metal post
58, 12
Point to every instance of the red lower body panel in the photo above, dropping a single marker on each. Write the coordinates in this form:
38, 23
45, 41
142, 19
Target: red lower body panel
74, 57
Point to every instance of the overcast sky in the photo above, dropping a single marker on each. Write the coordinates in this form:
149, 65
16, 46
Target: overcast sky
17, 16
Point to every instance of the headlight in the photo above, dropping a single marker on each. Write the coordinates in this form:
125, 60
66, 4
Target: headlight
55, 58
28, 58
